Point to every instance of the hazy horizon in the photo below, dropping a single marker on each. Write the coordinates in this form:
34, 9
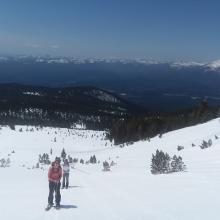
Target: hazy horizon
155, 30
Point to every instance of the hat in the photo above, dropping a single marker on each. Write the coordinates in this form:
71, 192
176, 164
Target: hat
57, 159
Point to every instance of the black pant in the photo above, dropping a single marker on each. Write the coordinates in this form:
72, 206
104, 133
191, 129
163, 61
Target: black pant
65, 180
54, 187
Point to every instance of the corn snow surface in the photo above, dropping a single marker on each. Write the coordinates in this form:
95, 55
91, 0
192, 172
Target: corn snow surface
129, 191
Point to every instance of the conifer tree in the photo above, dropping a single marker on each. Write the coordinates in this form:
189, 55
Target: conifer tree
63, 154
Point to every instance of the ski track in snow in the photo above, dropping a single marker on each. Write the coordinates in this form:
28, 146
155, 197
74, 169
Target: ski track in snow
129, 191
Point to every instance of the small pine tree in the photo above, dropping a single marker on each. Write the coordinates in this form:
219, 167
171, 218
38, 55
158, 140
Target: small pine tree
40, 158
160, 163
12, 127
204, 145
177, 164
2, 162
75, 160
8, 161
94, 159
91, 159
5, 163
44, 159
174, 164
63, 154
209, 142
70, 159
106, 166
179, 148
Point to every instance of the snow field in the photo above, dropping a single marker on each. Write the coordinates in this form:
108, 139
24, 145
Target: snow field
129, 191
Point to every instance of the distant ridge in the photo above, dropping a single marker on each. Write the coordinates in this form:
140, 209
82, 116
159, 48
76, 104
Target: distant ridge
38, 104
156, 85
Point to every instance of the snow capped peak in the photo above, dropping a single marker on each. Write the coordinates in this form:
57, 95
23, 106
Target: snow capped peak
215, 65
47, 59
186, 64
59, 60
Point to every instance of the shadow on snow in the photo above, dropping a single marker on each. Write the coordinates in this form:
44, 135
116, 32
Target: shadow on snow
68, 206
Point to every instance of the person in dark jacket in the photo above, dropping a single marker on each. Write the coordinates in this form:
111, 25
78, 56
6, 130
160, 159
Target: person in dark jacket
54, 176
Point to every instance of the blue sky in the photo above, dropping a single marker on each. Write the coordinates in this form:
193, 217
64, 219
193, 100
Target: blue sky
152, 29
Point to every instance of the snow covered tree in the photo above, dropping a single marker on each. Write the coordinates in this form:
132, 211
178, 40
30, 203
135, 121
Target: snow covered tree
179, 148
160, 163
209, 142
177, 164
75, 160
63, 154
106, 166
93, 159
70, 159
44, 159
204, 145
5, 163
8, 161
112, 163
2, 162
12, 127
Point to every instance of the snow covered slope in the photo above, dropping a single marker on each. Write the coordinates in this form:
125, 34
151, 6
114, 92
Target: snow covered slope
129, 191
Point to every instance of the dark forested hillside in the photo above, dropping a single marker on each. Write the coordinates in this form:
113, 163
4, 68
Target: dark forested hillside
134, 128
95, 109
62, 106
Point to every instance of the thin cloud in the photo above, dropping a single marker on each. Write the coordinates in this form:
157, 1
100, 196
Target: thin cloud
35, 46
54, 46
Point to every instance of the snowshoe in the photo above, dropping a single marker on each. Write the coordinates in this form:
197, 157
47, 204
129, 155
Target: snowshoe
49, 206
57, 206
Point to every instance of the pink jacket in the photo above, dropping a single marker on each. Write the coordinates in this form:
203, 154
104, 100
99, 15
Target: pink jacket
54, 174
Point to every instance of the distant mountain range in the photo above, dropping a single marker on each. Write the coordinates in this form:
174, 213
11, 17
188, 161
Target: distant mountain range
215, 65
158, 86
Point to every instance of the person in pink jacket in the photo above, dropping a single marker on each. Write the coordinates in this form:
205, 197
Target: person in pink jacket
54, 176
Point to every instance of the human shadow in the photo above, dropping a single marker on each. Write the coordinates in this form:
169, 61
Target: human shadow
68, 206
74, 186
